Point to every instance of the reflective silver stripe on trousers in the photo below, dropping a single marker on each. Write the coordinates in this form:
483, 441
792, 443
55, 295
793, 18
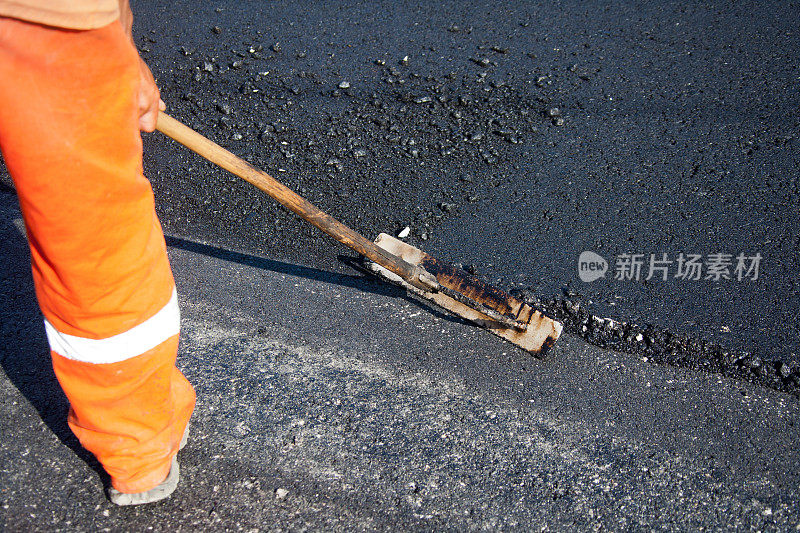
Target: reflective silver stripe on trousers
131, 343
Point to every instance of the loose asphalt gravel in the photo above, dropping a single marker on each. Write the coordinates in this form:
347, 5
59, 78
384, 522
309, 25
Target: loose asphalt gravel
509, 139
512, 139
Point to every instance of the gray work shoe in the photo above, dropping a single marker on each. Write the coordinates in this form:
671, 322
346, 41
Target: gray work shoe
155, 494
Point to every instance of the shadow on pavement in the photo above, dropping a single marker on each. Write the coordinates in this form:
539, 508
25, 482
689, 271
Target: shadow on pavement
363, 284
367, 283
25, 357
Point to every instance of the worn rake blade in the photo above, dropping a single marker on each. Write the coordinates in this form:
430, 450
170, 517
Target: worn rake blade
535, 332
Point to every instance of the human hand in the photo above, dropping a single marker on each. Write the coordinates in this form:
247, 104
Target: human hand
149, 98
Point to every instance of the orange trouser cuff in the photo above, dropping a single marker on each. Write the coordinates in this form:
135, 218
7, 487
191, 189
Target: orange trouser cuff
130, 415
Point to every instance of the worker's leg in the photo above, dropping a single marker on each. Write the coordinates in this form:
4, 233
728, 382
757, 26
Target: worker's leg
69, 136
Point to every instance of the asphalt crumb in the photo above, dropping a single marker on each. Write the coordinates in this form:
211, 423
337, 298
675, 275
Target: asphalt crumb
662, 346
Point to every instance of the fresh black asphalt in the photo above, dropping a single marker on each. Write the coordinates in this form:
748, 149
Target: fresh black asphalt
678, 136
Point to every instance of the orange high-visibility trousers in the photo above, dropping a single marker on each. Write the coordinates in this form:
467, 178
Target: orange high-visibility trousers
69, 136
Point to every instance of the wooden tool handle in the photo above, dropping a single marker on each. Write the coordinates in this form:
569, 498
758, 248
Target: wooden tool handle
294, 202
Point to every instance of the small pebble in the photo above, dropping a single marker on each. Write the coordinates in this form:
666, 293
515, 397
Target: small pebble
344, 85
281, 493
405, 232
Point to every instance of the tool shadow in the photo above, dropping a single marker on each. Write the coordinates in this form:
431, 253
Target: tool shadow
365, 282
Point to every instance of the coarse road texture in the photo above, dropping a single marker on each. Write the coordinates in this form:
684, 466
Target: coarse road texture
509, 138
330, 402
